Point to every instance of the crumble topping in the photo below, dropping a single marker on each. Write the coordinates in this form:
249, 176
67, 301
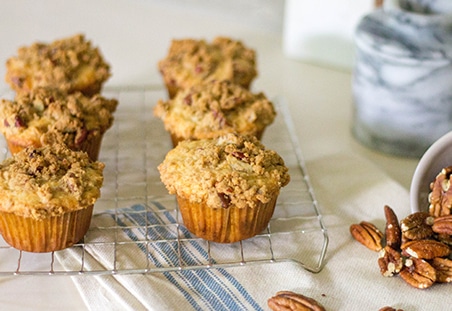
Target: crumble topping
232, 170
215, 108
191, 61
47, 115
70, 64
48, 181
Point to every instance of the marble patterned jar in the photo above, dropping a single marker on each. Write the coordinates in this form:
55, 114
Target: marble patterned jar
402, 78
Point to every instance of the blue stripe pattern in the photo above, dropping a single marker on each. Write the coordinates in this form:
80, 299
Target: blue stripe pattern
215, 289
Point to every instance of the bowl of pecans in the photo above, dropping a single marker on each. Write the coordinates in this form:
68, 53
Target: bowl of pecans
434, 167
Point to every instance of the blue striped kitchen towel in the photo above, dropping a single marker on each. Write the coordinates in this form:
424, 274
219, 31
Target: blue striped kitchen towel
137, 240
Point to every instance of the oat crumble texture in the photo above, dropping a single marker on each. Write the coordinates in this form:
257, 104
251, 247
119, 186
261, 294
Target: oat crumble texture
191, 61
71, 64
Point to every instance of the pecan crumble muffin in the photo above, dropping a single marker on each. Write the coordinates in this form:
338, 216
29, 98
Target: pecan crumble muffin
226, 187
70, 64
190, 62
45, 116
213, 109
47, 195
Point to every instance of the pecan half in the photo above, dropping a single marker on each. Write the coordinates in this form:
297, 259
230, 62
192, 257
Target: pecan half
443, 267
440, 197
425, 249
392, 230
418, 273
390, 261
367, 234
417, 226
443, 225
290, 301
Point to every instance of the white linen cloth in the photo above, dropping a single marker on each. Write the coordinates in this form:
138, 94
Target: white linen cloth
200, 289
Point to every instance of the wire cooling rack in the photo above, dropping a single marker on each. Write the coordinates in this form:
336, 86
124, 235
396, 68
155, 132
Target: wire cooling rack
136, 226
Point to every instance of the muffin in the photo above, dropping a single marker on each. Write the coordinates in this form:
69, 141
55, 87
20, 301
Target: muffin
191, 62
70, 64
45, 116
226, 187
213, 109
47, 195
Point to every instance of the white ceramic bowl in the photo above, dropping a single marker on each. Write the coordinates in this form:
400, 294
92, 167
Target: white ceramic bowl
438, 156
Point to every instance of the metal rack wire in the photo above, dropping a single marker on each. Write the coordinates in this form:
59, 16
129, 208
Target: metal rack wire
136, 226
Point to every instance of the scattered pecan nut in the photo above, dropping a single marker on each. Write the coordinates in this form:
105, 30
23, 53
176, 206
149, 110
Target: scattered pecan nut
418, 249
390, 261
393, 232
444, 238
290, 301
425, 249
418, 273
417, 226
443, 267
440, 197
367, 234
443, 225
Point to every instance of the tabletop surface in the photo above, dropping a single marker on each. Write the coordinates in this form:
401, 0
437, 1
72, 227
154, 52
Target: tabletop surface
351, 182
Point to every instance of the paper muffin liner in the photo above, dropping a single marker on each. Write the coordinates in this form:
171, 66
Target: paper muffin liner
45, 235
15, 146
225, 225
91, 146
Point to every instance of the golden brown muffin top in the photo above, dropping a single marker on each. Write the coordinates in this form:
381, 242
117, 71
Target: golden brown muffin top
70, 64
49, 181
215, 108
49, 114
232, 170
191, 61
